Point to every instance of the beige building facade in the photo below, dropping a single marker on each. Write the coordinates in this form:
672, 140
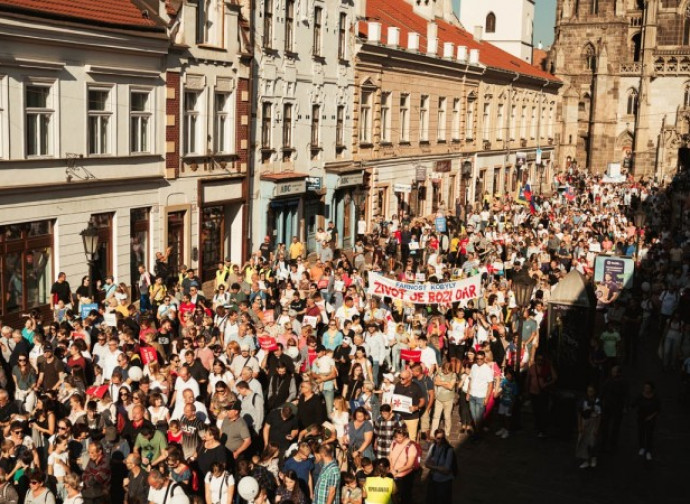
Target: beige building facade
439, 122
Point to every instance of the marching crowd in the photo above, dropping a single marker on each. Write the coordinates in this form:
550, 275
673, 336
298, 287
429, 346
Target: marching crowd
290, 383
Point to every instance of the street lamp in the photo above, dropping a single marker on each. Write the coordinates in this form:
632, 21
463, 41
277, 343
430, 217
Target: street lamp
523, 286
90, 238
541, 167
466, 175
640, 218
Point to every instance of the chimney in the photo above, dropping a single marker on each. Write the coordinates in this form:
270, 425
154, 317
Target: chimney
478, 32
448, 50
431, 38
462, 53
361, 9
393, 38
413, 42
374, 32
474, 56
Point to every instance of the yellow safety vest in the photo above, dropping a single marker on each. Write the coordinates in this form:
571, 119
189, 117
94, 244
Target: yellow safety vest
379, 490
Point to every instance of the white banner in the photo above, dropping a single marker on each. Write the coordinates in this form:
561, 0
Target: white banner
425, 293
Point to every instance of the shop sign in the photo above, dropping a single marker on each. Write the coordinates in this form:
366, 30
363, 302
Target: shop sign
351, 179
443, 166
402, 188
420, 174
314, 183
289, 188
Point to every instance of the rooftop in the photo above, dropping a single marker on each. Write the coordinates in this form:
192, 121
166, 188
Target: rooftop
114, 13
400, 14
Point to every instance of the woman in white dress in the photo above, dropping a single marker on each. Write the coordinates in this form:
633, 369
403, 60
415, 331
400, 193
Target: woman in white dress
220, 485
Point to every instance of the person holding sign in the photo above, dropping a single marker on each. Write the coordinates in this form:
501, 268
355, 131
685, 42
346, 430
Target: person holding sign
410, 389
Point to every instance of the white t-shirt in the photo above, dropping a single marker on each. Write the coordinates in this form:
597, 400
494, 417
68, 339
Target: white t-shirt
428, 358
58, 469
219, 487
174, 492
480, 378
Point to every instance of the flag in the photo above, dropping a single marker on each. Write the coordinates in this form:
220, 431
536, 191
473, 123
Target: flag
524, 196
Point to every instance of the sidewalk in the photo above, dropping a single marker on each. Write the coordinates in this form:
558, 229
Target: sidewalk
525, 469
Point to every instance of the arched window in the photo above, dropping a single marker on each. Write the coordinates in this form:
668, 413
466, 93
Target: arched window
686, 26
589, 56
631, 107
491, 23
636, 44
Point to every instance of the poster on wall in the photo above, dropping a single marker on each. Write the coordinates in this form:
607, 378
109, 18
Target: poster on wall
612, 274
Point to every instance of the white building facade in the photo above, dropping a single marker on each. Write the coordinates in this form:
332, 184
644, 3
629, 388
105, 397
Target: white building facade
507, 24
303, 79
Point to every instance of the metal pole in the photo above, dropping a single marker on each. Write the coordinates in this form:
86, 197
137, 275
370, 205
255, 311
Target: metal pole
518, 346
92, 288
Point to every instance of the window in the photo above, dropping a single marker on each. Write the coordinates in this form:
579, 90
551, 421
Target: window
365, 117
39, 116
542, 122
316, 43
486, 120
550, 126
404, 117
424, 118
192, 123
456, 119
386, 117
636, 42
340, 127
686, 96
139, 121
139, 225
209, 19
499, 122
289, 25
513, 121
523, 122
268, 23
631, 106
287, 126
266, 110
315, 122
490, 23
26, 266
533, 123
223, 123
595, 6
3, 115
686, 26
469, 116
342, 35
98, 121
442, 119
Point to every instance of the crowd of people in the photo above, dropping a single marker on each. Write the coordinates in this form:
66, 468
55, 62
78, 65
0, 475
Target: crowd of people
284, 380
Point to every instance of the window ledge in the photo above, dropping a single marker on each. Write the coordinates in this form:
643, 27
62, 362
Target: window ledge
404, 143
267, 149
340, 148
290, 54
319, 59
386, 144
314, 148
424, 142
456, 140
366, 145
469, 139
344, 62
211, 47
441, 141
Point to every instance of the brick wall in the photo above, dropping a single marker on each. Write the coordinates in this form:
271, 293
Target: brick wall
242, 124
172, 124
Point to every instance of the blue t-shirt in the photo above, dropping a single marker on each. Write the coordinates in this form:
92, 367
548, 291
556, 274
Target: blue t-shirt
509, 391
302, 469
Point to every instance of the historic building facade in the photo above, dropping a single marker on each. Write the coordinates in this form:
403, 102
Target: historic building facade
626, 71
303, 174
95, 131
442, 117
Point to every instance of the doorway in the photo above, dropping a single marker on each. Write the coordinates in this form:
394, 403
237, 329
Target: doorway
176, 240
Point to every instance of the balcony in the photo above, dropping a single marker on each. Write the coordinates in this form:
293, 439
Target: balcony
212, 163
672, 65
630, 68
635, 18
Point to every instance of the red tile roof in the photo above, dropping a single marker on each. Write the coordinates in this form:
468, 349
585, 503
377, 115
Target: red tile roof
539, 58
398, 13
117, 13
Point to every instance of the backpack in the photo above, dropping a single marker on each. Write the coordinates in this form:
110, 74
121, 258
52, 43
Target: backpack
418, 458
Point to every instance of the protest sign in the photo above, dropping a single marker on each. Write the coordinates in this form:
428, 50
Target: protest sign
401, 403
86, 309
411, 355
425, 293
309, 321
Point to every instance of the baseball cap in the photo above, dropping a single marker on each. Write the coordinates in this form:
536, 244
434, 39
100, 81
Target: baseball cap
48, 347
